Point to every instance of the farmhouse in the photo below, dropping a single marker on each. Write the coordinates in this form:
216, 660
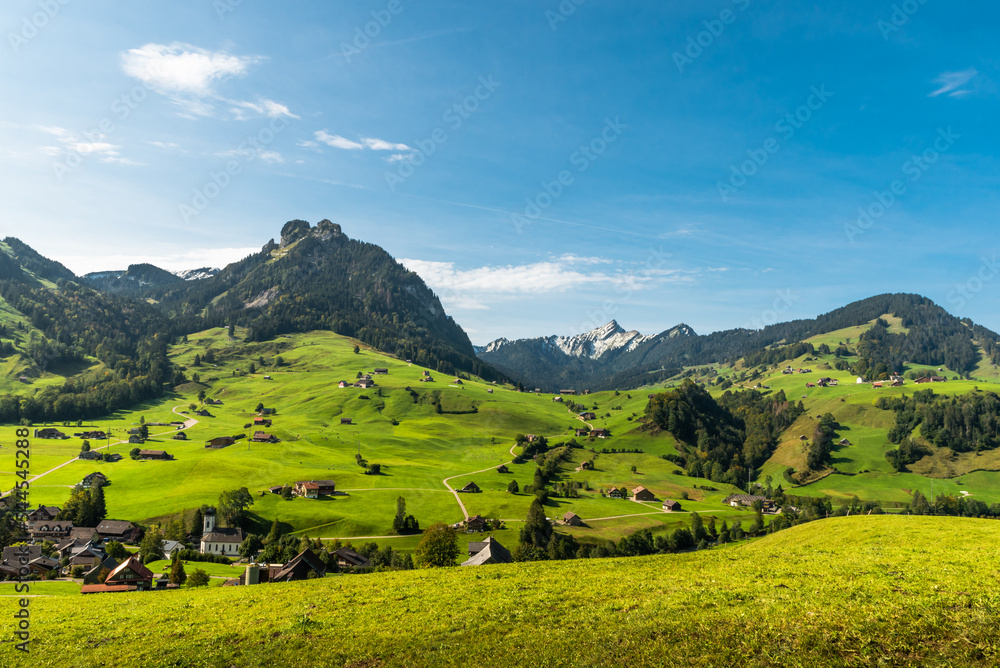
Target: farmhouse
220, 442
49, 432
558, 399
572, 519
475, 523
617, 493
203, 413
490, 552
131, 575
600, 433
96, 478
570, 392
120, 530
588, 416
301, 567
92, 455
264, 437
259, 421
180, 436
471, 488
275, 489
738, 500
503, 469
347, 558
43, 513
587, 466
365, 384
312, 489
136, 439
582, 432
383, 372
342, 384
91, 577
93, 435
643, 494
49, 529
345, 420
154, 454
671, 506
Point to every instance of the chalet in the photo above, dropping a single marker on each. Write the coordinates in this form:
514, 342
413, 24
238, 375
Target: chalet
458, 381
347, 558
92, 455
22, 379
582, 432
112, 457
43, 514
89, 556
365, 384
303, 566
130, 574
616, 493
572, 519
531, 438
897, 383
171, 546
259, 421
843, 441
643, 494
180, 436
877, 385
52, 529
345, 420
93, 575
40, 566
671, 506
266, 411
489, 391
120, 530
476, 523
213, 402
154, 454
503, 469
94, 435
491, 552
569, 392
471, 488
277, 489
136, 439
49, 433
557, 399
264, 437
96, 478
312, 489
938, 379
600, 433
203, 413
267, 378
587, 466
787, 371
220, 442
342, 384
588, 416
381, 372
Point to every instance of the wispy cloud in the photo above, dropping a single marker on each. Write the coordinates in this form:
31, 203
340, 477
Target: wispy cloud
951, 83
188, 75
369, 143
69, 143
476, 288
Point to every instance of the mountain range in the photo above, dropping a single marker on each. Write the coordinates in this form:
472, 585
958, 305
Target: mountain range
317, 278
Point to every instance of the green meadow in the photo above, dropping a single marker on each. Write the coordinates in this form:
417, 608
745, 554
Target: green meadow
855, 591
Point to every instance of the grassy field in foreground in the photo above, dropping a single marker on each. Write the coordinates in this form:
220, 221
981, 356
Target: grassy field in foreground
861, 591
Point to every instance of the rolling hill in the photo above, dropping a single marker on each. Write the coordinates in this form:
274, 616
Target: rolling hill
855, 591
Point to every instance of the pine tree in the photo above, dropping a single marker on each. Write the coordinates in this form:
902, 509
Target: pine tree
399, 521
536, 531
98, 508
177, 574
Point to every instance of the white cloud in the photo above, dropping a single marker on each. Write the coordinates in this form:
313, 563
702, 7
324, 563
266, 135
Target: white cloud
951, 83
382, 145
336, 141
102, 150
184, 258
474, 288
370, 143
188, 75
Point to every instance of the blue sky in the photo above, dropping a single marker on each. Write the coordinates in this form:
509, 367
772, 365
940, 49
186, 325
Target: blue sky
546, 166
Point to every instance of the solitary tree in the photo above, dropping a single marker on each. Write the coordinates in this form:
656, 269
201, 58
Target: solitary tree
233, 505
512, 487
199, 578
177, 574
357, 350
438, 547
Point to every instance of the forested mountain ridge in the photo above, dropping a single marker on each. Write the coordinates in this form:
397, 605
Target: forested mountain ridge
933, 337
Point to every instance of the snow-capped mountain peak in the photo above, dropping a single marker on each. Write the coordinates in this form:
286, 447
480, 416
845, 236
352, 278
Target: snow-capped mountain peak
195, 274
